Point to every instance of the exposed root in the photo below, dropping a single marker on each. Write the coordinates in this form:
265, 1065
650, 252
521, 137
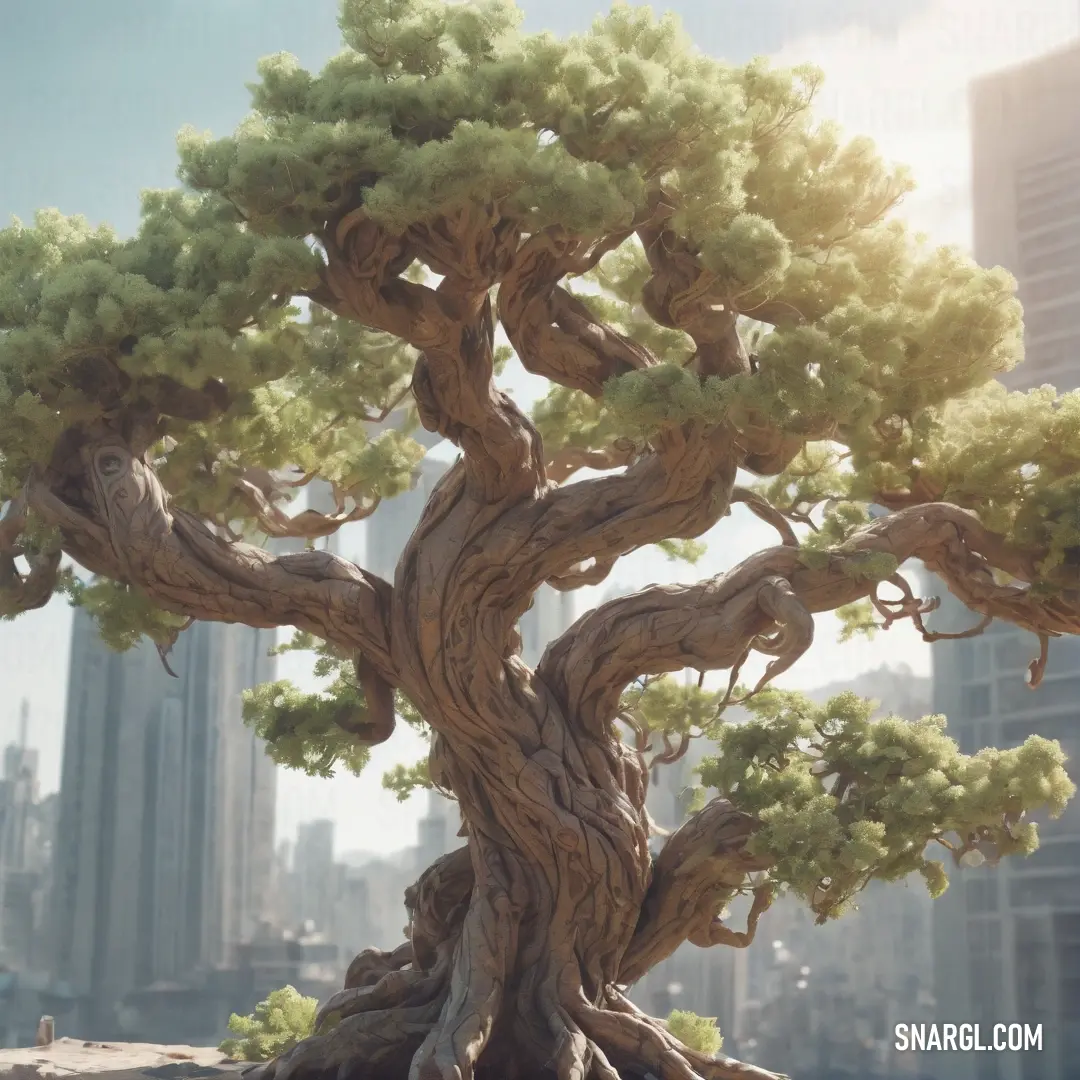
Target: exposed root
698, 871
407, 988
437, 904
483, 957
369, 1046
639, 1045
388, 1033
372, 964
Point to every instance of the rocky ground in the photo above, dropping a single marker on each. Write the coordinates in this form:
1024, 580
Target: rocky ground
116, 1061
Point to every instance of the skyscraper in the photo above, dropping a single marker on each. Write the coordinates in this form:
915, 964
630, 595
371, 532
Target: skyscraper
388, 530
26, 838
551, 613
313, 865
18, 796
1026, 193
165, 842
1007, 939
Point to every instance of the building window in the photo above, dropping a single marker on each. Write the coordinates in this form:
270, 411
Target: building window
1064, 653
1051, 289
975, 701
1041, 180
1062, 320
1063, 257
1015, 696
965, 660
1051, 855
982, 894
1060, 726
966, 739
1061, 890
1013, 652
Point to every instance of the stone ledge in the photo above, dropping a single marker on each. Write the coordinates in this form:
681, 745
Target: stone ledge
116, 1061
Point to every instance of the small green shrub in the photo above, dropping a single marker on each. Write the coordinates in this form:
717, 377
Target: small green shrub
281, 1021
700, 1033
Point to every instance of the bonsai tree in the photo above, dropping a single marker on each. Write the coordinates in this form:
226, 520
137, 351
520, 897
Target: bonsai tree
727, 312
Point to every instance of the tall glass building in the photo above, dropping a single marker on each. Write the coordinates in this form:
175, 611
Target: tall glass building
1007, 939
164, 848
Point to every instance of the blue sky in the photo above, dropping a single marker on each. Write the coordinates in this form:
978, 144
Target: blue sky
94, 93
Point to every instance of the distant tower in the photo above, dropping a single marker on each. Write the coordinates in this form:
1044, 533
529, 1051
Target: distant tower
313, 865
551, 613
19, 759
437, 830
25, 850
164, 853
387, 531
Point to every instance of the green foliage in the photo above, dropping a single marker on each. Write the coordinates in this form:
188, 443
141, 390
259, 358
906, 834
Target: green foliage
285, 1018
93, 323
689, 551
302, 730
857, 618
432, 106
700, 1033
668, 706
816, 475
123, 614
844, 799
667, 395
570, 418
782, 211
1012, 457
404, 780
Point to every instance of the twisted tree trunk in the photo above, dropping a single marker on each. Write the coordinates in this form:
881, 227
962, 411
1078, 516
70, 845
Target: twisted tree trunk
521, 943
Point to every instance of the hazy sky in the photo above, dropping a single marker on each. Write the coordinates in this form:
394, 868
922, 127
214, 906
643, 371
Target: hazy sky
93, 96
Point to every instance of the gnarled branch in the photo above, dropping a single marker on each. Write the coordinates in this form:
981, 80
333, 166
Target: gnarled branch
567, 461
658, 630
766, 604
261, 491
119, 524
553, 333
763, 510
679, 490
703, 864
451, 326
20, 591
